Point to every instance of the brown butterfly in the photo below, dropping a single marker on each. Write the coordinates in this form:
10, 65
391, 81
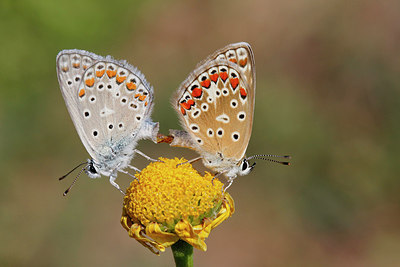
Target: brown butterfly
216, 108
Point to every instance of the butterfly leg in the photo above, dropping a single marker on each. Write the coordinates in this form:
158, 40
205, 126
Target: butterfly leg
131, 175
112, 181
190, 161
145, 156
230, 181
134, 168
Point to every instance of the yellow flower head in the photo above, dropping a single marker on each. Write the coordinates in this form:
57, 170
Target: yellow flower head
171, 202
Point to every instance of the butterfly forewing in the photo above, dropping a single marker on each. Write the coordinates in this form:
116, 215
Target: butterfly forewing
216, 106
108, 103
71, 65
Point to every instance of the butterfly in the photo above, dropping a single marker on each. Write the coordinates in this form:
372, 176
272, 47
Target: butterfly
215, 105
110, 103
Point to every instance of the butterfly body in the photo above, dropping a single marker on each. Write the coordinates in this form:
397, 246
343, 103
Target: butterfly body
215, 105
110, 103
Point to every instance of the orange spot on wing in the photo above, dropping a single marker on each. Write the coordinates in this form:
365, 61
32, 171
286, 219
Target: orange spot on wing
243, 92
185, 105
196, 92
183, 111
223, 76
233, 60
190, 102
100, 73
142, 97
243, 62
120, 79
214, 77
234, 82
75, 65
85, 67
137, 95
131, 86
81, 92
65, 69
111, 73
146, 103
206, 83
89, 82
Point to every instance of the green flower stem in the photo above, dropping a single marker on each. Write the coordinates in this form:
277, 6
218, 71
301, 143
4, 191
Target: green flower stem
183, 254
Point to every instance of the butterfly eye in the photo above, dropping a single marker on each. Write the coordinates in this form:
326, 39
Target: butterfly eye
244, 165
92, 169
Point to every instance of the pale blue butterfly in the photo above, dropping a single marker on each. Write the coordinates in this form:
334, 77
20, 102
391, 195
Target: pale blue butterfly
110, 103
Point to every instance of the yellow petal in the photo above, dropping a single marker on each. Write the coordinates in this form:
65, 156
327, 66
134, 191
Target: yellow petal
136, 231
165, 239
227, 209
185, 231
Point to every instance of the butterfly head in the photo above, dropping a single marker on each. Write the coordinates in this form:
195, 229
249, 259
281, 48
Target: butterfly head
91, 170
245, 167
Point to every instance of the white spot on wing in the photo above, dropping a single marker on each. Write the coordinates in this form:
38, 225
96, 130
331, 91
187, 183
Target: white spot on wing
235, 136
220, 132
194, 127
210, 132
241, 116
106, 112
223, 118
196, 113
234, 103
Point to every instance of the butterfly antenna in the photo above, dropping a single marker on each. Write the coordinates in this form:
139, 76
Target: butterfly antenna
62, 177
73, 183
265, 157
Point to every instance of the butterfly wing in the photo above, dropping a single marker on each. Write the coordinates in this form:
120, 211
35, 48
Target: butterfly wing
240, 54
215, 105
109, 102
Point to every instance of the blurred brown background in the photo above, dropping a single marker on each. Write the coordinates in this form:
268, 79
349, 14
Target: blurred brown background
327, 93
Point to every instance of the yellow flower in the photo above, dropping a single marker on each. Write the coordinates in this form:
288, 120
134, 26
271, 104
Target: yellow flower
171, 202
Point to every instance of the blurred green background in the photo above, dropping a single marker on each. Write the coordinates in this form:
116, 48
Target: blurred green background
327, 93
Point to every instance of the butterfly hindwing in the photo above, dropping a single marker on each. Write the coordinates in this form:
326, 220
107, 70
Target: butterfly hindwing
240, 54
108, 101
214, 104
